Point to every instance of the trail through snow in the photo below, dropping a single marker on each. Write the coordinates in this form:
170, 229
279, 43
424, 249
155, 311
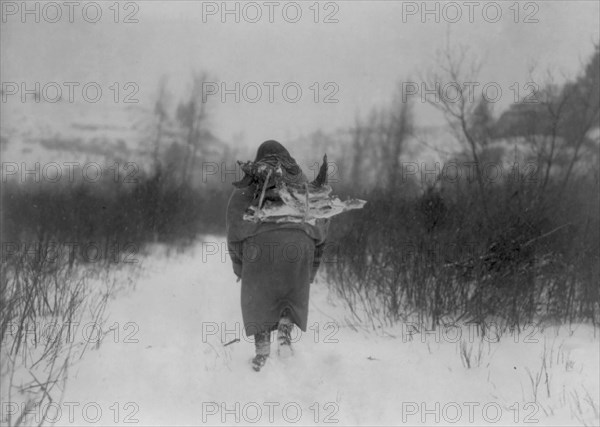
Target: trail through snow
165, 364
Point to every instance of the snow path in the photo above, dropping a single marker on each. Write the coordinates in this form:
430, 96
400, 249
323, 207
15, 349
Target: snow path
177, 375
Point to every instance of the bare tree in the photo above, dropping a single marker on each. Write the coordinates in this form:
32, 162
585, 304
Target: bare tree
360, 139
378, 144
192, 116
396, 129
556, 124
583, 113
453, 79
162, 116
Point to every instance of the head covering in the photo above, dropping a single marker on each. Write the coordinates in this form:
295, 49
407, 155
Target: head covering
271, 153
271, 147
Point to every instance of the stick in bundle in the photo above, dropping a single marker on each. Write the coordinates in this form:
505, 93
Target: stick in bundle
289, 201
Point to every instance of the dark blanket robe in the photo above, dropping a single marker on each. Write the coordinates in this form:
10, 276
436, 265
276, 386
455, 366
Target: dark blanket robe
276, 262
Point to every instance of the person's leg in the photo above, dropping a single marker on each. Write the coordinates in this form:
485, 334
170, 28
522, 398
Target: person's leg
262, 344
284, 334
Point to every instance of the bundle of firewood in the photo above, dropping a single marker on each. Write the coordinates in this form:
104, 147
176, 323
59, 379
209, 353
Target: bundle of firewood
284, 195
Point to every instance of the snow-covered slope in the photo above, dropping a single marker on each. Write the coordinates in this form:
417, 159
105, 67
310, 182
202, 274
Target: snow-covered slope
170, 367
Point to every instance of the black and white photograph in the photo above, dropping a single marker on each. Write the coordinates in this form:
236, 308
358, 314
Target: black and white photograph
293, 213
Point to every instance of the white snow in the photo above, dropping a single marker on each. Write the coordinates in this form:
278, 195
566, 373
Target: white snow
187, 304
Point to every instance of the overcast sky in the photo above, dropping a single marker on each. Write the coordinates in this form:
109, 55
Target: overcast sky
365, 54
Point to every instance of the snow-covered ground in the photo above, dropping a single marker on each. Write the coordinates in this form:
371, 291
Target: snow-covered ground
164, 363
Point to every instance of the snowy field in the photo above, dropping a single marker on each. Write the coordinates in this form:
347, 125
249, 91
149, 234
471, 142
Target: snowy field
164, 363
